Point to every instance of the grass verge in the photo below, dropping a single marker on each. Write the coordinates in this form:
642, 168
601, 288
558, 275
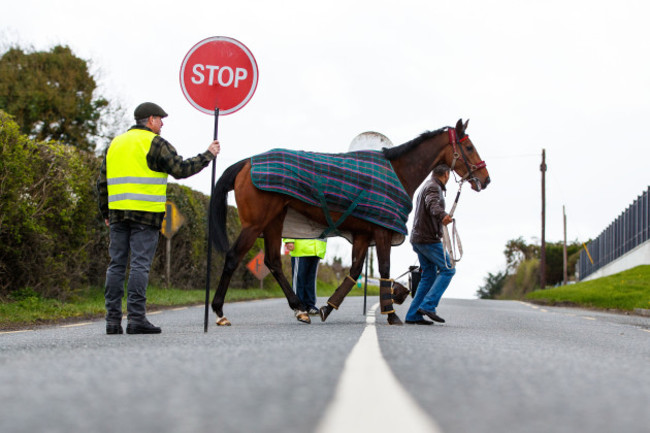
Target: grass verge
625, 291
26, 309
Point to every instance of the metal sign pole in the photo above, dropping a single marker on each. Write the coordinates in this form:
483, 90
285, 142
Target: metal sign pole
168, 250
207, 277
230, 95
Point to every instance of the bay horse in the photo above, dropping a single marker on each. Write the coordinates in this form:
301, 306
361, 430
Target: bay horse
263, 212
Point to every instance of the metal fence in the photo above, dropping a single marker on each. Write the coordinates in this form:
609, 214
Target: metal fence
629, 230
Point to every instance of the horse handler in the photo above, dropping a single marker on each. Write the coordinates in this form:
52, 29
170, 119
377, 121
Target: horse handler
426, 239
132, 191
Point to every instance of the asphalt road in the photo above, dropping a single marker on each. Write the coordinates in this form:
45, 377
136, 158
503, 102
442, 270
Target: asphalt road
495, 366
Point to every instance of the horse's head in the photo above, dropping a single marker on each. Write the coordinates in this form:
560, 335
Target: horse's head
464, 158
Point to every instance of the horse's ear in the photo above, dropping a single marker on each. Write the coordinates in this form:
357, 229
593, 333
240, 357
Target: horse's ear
460, 128
465, 127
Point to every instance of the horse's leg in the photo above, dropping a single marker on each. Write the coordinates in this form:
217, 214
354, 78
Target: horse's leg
256, 209
234, 256
359, 249
383, 239
273, 261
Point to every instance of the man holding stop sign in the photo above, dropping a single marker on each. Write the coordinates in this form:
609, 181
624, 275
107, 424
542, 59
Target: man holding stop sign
132, 190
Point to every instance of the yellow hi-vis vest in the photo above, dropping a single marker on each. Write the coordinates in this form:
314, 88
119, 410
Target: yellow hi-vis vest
132, 185
308, 247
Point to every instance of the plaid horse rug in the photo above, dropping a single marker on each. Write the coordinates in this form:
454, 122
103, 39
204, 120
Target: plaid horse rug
337, 182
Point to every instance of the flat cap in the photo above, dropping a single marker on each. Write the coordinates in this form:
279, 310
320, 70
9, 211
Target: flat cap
147, 109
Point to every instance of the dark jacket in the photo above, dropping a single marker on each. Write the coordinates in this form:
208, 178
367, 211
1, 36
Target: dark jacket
429, 213
162, 157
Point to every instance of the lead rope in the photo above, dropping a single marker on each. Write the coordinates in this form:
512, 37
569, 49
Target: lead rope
453, 243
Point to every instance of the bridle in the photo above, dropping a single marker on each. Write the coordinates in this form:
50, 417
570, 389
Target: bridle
451, 243
456, 146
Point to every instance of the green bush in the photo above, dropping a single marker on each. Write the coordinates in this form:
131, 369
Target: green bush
49, 228
524, 280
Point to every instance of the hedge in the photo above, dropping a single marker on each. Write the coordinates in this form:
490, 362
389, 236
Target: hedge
53, 240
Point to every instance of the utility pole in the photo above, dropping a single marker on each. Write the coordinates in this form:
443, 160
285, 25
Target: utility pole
542, 252
566, 262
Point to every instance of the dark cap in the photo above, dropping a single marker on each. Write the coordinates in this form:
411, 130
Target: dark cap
146, 109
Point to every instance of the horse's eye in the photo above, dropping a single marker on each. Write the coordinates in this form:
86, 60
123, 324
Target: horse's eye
470, 148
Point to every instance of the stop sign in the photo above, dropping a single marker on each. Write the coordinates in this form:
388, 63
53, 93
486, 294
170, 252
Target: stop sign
219, 72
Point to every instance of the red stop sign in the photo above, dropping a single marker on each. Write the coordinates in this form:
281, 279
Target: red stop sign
219, 72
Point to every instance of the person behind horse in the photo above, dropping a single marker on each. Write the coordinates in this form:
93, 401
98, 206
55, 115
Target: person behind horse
132, 190
305, 257
426, 236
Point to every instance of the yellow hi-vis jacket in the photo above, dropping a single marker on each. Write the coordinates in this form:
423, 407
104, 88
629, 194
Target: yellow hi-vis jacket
132, 185
307, 247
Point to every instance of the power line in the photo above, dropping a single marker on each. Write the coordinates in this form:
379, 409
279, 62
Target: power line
526, 155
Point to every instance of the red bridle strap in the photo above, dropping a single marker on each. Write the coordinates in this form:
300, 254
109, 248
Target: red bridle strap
452, 141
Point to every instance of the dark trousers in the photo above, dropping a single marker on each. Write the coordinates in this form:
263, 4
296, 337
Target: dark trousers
141, 241
305, 271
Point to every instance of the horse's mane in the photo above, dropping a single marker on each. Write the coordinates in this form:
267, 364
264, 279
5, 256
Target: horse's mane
395, 152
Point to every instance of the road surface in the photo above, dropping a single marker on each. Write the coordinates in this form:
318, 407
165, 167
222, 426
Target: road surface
494, 366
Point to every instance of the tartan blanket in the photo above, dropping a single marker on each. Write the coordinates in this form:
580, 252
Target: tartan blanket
366, 177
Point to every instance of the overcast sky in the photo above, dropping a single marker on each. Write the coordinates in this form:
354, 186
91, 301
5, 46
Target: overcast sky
571, 77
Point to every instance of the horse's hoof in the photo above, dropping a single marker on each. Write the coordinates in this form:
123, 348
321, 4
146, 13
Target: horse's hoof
393, 319
223, 321
303, 316
324, 312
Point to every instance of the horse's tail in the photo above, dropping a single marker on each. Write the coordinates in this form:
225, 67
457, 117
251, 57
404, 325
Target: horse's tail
219, 205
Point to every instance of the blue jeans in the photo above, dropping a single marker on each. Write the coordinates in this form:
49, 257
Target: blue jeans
141, 241
435, 278
305, 271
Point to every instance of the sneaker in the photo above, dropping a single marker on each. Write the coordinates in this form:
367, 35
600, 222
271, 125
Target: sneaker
142, 328
114, 328
313, 311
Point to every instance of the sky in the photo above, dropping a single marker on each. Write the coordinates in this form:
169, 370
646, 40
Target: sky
571, 77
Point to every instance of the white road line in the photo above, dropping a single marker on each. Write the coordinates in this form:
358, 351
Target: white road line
16, 332
368, 396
